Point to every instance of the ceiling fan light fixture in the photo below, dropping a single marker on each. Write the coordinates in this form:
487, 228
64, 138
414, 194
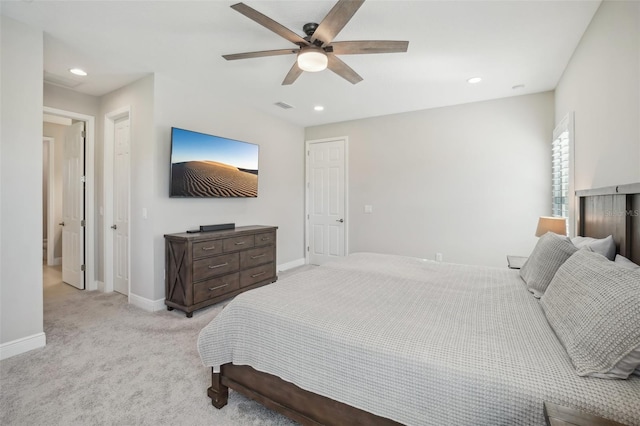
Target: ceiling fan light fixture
312, 59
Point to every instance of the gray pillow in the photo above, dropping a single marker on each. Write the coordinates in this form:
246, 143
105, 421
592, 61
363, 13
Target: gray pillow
549, 253
625, 263
604, 246
593, 305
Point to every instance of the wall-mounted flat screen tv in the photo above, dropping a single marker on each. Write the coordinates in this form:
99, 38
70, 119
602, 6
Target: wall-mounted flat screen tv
212, 166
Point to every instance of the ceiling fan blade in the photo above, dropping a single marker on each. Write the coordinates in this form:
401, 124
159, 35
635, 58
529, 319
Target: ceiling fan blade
259, 54
292, 75
368, 46
343, 70
335, 20
270, 24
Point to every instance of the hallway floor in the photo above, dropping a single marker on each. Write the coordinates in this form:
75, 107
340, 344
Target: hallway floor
52, 282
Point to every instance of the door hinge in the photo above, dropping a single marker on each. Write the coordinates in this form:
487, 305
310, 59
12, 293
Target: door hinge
83, 179
82, 268
83, 222
307, 217
83, 134
308, 153
307, 248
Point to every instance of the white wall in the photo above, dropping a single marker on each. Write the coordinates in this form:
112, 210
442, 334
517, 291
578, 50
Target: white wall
468, 181
602, 85
280, 200
21, 326
68, 100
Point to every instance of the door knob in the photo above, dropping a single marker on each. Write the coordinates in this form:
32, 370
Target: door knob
114, 226
340, 220
61, 224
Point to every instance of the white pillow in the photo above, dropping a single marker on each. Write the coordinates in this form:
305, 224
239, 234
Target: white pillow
604, 246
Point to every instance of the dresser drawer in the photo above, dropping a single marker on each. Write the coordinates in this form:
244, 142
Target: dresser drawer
237, 243
215, 287
256, 256
265, 238
206, 248
257, 274
214, 266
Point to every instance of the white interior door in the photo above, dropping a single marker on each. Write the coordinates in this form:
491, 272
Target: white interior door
73, 207
121, 206
326, 212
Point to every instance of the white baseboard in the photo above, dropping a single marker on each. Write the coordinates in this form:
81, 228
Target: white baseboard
57, 261
292, 264
100, 286
146, 304
20, 346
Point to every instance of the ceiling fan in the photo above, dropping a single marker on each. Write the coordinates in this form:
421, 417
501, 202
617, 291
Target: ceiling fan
317, 50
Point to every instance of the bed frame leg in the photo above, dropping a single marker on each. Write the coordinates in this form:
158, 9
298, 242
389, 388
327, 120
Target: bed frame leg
218, 392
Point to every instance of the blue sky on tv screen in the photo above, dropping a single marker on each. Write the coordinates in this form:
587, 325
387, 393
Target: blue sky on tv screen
193, 146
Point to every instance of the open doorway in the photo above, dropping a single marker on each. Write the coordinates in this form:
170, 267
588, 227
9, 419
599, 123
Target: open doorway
58, 220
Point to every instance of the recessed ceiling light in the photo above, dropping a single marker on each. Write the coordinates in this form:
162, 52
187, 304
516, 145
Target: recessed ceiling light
78, 71
318, 108
474, 80
518, 86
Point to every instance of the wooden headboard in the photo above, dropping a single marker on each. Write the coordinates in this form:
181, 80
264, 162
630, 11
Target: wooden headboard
613, 211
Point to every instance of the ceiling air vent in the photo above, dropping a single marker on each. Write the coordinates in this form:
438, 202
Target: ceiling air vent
283, 105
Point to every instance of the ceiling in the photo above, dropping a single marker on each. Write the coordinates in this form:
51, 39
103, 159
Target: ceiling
506, 43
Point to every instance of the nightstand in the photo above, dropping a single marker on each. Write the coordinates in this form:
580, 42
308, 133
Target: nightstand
516, 262
557, 415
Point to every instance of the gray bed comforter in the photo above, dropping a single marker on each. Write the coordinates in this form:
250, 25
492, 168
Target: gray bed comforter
416, 341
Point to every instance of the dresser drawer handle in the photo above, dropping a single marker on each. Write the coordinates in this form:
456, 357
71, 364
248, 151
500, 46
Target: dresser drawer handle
218, 266
215, 288
239, 243
266, 238
208, 248
258, 256
258, 274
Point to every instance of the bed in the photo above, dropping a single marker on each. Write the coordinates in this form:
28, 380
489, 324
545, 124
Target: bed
381, 339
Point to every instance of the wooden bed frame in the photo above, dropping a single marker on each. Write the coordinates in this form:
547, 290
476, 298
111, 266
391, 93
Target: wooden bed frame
602, 212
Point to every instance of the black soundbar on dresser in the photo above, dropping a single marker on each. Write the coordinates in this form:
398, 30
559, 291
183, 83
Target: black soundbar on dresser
210, 228
219, 227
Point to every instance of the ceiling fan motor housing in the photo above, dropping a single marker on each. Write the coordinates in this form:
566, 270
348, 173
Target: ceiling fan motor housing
310, 28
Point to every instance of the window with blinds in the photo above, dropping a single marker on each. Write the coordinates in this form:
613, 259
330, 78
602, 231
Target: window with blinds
561, 171
560, 175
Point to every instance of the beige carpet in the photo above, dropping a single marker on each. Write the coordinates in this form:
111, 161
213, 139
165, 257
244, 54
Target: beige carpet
109, 363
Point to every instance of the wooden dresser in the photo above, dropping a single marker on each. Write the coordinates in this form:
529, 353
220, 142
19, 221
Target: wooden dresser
206, 267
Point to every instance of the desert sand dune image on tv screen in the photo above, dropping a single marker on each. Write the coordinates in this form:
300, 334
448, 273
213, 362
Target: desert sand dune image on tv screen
212, 179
